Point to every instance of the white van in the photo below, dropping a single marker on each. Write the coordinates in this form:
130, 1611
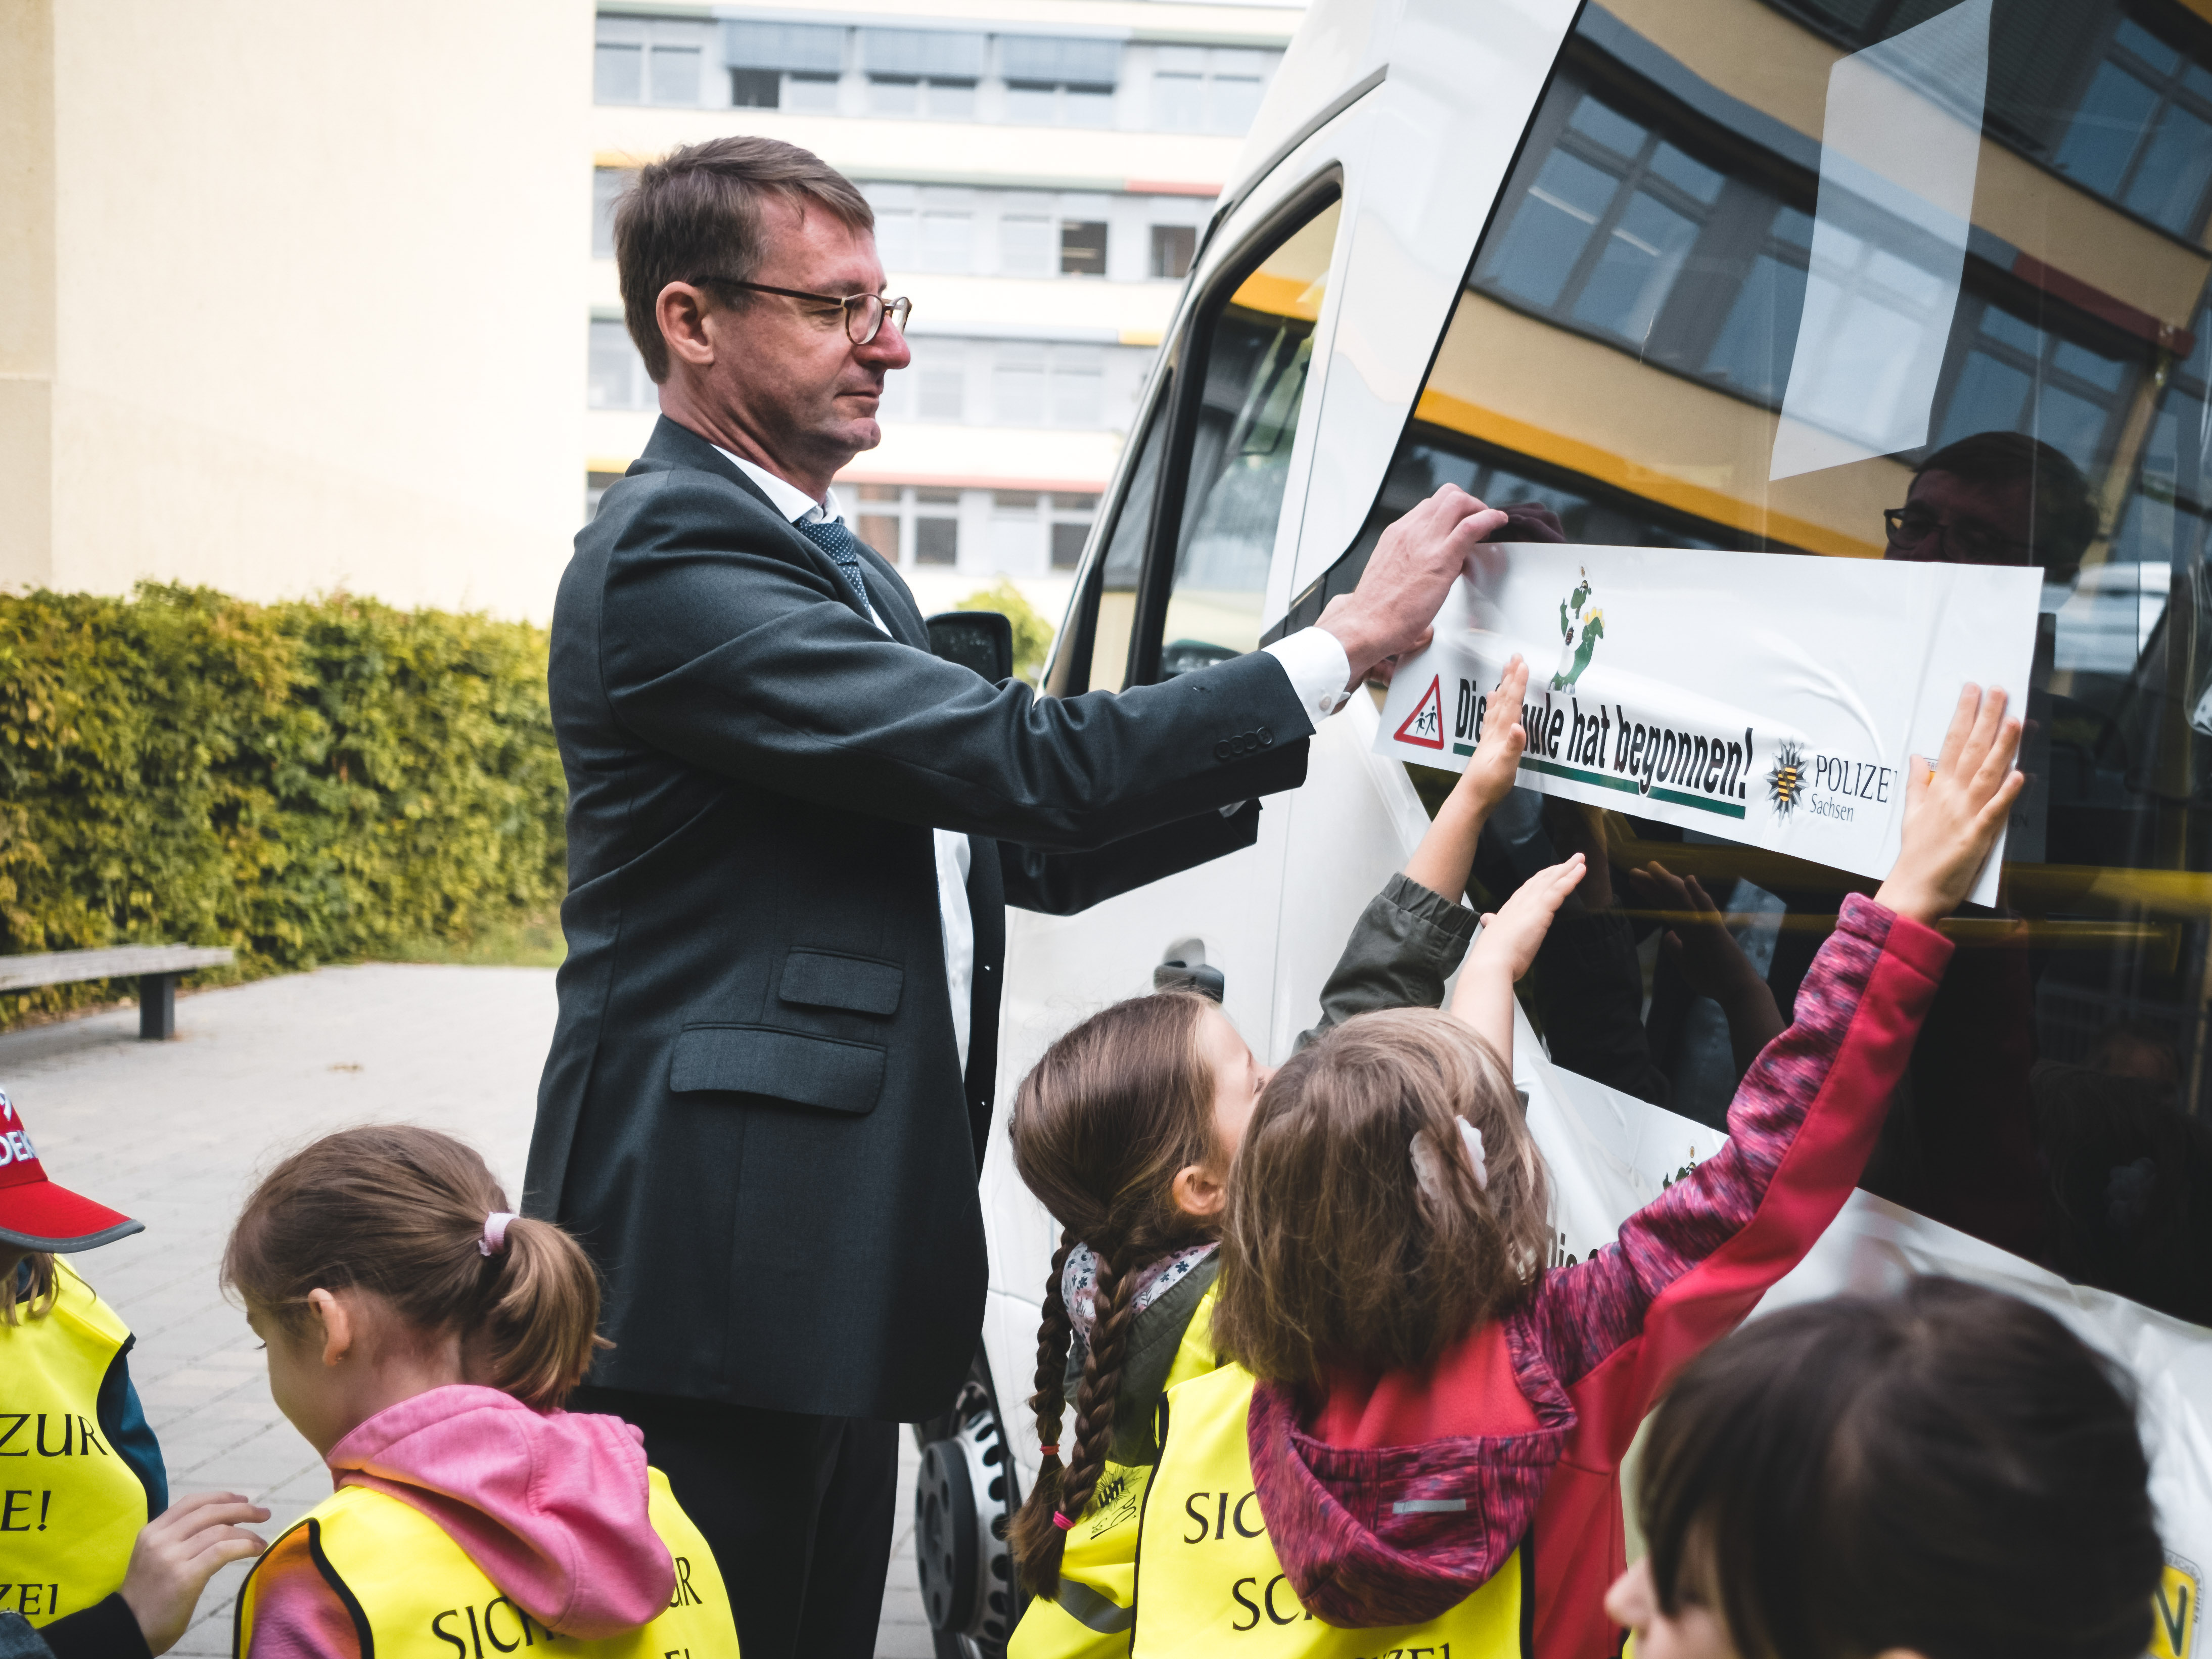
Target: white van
1564, 253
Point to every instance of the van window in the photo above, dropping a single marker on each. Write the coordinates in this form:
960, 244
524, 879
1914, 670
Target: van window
1256, 364
1721, 304
1251, 351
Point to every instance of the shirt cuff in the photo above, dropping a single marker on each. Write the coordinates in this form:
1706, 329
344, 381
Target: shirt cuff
1318, 670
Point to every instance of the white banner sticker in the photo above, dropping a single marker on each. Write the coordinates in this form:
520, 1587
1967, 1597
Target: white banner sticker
1771, 700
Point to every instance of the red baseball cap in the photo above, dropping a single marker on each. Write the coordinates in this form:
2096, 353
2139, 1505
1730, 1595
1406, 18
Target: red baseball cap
37, 1215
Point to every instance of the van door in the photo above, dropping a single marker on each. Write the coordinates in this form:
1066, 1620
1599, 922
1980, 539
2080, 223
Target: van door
1311, 313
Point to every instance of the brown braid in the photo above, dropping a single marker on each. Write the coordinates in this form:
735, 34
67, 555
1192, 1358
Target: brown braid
1101, 1126
1032, 1534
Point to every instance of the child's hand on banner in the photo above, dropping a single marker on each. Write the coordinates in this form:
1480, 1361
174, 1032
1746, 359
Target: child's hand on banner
1955, 809
1495, 767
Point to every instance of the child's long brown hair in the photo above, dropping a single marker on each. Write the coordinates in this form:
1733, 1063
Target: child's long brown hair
1101, 1125
398, 1211
1334, 1252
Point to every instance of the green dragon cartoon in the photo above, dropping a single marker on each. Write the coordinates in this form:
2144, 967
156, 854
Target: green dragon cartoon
1579, 633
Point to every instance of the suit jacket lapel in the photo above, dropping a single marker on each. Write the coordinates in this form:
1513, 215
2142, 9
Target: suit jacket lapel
893, 600
675, 445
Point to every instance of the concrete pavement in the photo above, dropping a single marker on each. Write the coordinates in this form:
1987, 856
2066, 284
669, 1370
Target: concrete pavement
174, 1133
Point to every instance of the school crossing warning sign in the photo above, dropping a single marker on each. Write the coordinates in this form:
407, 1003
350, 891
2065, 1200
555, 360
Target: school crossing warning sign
1769, 700
1424, 726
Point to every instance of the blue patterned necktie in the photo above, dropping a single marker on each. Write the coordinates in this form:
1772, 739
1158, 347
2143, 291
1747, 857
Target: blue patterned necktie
843, 547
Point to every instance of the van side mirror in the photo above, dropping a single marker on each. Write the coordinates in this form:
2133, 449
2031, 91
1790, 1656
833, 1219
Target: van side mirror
980, 639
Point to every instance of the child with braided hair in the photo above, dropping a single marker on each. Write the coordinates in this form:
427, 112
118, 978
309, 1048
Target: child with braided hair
1125, 1130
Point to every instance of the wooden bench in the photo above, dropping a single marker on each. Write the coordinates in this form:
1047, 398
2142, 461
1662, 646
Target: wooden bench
155, 967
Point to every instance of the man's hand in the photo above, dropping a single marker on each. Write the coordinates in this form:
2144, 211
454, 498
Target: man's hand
1954, 812
1407, 577
176, 1554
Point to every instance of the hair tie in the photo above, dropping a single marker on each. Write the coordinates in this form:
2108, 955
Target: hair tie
1060, 1519
495, 1233
1052, 1450
1430, 1176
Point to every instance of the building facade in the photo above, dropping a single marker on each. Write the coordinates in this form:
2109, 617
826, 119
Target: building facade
1039, 175
287, 297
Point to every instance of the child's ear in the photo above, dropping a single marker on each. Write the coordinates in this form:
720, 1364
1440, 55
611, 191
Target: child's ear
1198, 1192
337, 1321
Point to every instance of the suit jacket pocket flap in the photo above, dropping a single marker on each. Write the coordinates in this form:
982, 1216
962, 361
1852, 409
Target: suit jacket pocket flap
793, 1065
823, 979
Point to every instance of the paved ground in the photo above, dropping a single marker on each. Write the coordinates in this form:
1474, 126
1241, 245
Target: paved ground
174, 1133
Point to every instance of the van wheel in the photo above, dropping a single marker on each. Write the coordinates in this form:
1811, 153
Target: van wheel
963, 1499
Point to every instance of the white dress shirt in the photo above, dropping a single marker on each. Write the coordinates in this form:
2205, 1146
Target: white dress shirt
1314, 662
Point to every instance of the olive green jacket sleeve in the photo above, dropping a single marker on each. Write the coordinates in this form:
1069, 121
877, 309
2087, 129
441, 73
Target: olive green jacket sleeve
1406, 943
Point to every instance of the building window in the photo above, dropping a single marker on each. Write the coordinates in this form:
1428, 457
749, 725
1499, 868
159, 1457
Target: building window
2142, 134
926, 72
618, 72
1172, 248
1197, 90
753, 88
607, 186
641, 60
1083, 248
1059, 81
937, 526
618, 376
1025, 246
1036, 385
940, 376
783, 66
595, 488
811, 94
675, 74
1072, 517
879, 520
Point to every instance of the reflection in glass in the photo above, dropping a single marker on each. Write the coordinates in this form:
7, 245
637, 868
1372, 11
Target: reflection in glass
2044, 397
1900, 150
1256, 364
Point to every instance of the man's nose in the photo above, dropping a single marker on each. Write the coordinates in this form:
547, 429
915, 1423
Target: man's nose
889, 349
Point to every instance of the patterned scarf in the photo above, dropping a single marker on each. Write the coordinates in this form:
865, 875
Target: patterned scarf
1078, 1283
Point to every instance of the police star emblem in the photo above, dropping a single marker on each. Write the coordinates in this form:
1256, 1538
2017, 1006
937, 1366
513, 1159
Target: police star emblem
1785, 782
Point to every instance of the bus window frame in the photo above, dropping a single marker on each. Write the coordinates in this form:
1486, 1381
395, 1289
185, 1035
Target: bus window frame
1183, 387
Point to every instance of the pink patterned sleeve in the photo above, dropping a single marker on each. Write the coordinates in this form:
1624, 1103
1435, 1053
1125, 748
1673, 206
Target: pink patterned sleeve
1692, 1263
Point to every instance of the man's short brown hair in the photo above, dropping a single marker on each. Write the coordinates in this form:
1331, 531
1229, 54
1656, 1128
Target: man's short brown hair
695, 212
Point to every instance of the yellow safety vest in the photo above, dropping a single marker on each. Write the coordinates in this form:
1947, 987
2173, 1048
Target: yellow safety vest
414, 1593
1208, 1582
70, 1506
1092, 1616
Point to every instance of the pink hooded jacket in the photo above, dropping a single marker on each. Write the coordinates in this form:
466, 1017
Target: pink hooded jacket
550, 1505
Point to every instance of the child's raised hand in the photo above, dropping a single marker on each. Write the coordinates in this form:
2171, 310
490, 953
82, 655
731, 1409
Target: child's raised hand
1490, 774
1511, 933
1955, 811
176, 1554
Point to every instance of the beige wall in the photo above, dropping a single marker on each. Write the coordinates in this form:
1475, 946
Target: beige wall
309, 295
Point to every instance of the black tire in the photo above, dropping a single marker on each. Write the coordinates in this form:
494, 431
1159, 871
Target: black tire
965, 1494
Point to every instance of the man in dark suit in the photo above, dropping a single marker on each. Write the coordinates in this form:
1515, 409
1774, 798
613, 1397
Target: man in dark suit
792, 835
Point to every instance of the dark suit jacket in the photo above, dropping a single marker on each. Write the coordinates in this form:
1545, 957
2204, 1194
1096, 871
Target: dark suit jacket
753, 1113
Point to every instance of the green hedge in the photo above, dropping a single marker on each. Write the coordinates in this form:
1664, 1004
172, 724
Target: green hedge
307, 782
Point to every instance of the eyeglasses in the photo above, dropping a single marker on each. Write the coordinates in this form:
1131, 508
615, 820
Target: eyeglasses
863, 313
1909, 526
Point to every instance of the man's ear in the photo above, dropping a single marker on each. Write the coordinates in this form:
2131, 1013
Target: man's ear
681, 311
1198, 1192
337, 1324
